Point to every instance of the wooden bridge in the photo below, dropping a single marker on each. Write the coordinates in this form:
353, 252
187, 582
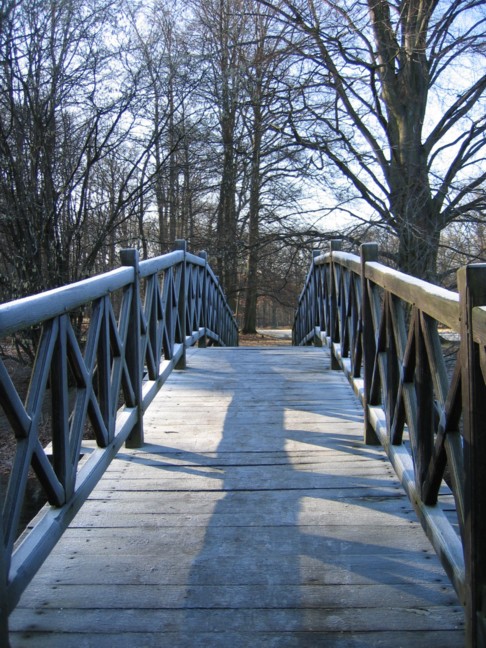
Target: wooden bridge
245, 508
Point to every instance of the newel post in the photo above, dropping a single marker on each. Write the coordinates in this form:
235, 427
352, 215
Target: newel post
204, 306
130, 257
181, 244
472, 293
368, 252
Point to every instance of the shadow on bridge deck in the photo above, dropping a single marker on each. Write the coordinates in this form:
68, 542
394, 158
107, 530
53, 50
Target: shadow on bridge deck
254, 516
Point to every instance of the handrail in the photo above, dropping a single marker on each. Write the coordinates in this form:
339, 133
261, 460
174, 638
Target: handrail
29, 311
104, 347
388, 332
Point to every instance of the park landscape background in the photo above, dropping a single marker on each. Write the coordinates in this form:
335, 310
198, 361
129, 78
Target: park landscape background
257, 130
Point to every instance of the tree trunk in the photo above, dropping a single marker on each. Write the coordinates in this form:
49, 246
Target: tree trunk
160, 197
251, 298
227, 217
417, 221
405, 92
227, 230
417, 251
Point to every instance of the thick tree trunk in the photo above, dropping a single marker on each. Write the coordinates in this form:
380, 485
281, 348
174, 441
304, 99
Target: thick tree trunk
227, 231
404, 75
161, 199
417, 221
172, 191
251, 298
417, 251
227, 218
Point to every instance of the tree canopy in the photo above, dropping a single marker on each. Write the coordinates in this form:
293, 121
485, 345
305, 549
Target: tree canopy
390, 95
133, 124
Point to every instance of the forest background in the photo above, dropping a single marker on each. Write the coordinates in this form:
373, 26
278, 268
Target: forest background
256, 130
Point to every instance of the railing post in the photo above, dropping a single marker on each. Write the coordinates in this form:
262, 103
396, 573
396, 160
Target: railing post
181, 244
336, 246
472, 293
368, 252
317, 341
202, 343
130, 257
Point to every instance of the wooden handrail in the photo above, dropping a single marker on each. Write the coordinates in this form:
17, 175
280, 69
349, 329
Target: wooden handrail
388, 332
104, 347
32, 310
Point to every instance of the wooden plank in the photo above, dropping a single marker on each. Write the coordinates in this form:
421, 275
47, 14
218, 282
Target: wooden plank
344, 569
238, 596
232, 541
245, 509
253, 516
187, 622
278, 519
287, 639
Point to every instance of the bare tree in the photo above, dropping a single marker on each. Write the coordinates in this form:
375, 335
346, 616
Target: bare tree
221, 28
254, 165
392, 95
268, 159
63, 108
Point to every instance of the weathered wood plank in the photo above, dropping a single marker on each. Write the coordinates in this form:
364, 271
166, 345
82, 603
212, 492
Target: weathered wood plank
244, 639
213, 597
353, 569
186, 622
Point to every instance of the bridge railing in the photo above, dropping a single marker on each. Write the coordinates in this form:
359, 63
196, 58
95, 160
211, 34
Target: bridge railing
103, 348
416, 356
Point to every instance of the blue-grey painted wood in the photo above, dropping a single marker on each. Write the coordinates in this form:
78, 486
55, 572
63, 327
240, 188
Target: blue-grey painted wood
159, 264
29, 311
394, 331
33, 549
100, 375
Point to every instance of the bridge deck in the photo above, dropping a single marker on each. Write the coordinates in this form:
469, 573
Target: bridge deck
253, 516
